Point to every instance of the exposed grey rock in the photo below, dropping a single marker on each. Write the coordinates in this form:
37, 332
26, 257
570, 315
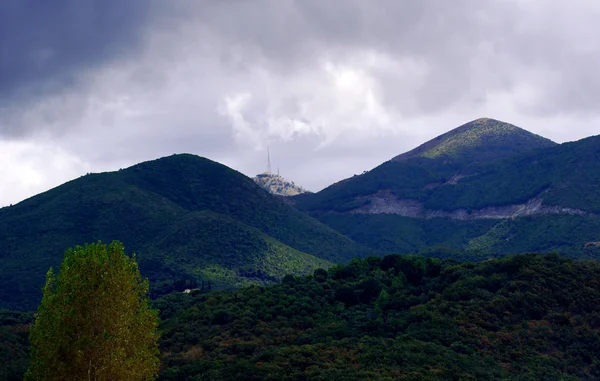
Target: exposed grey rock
389, 204
277, 185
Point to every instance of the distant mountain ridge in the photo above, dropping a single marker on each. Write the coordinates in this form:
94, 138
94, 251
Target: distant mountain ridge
277, 185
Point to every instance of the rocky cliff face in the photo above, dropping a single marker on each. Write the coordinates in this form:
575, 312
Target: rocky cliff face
277, 185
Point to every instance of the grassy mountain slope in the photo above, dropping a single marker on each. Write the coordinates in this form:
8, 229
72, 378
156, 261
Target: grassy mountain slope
525, 317
481, 140
568, 174
153, 208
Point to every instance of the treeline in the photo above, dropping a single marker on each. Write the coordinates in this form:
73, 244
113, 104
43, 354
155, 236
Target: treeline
526, 317
523, 317
14, 329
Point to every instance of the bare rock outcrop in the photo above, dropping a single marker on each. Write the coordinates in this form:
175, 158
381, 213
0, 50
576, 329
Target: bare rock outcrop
386, 203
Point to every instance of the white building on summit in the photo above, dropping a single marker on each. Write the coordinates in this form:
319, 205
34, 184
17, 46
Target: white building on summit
275, 184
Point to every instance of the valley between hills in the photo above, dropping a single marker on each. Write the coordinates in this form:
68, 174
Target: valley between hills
473, 256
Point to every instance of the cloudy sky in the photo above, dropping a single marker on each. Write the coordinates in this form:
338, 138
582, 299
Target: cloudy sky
333, 87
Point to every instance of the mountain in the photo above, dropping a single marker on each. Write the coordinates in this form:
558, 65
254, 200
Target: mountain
480, 140
277, 185
564, 176
455, 155
525, 317
486, 186
187, 218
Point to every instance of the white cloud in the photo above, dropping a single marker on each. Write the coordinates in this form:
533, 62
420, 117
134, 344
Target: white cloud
28, 168
234, 108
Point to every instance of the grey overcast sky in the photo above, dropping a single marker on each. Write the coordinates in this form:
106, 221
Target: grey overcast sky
333, 87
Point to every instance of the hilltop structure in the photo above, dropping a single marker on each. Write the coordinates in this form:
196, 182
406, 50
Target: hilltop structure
275, 184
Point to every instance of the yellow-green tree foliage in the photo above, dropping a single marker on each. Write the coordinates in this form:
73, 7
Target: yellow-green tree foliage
94, 322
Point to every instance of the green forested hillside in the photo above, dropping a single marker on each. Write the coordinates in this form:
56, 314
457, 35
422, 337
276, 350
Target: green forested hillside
567, 175
197, 184
525, 317
405, 179
388, 233
241, 256
456, 155
474, 239
464, 188
186, 217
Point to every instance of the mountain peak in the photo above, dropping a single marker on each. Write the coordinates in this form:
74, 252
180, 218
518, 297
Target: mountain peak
481, 139
485, 120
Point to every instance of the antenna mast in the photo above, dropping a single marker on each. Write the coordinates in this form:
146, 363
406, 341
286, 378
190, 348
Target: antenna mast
268, 160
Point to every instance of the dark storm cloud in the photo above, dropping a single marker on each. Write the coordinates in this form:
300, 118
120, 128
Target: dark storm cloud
465, 49
45, 45
445, 54
441, 37
295, 32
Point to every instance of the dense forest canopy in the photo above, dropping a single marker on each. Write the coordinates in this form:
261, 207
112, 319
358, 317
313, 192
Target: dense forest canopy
527, 317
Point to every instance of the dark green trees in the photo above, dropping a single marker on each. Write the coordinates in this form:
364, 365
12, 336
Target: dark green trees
94, 322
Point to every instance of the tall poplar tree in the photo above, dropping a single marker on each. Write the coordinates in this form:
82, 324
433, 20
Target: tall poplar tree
94, 322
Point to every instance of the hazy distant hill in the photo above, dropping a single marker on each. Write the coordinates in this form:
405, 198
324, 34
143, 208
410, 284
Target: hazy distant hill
277, 185
185, 216
486, 185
